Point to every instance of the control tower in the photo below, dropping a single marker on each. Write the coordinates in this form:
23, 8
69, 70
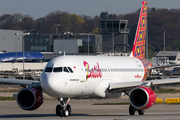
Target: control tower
114, 35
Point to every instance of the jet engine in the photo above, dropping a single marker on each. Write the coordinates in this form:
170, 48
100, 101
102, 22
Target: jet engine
142, 97
30, 98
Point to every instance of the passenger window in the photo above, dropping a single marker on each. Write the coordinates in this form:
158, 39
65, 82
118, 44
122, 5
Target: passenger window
57, 69
48, 69
70, 70
65, 69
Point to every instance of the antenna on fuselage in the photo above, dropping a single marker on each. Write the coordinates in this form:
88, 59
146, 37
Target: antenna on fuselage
64, 53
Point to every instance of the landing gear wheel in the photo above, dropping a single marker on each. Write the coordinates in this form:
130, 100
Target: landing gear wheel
141, 112
66, 112
69, 109
59, 111
132, 110
64, 109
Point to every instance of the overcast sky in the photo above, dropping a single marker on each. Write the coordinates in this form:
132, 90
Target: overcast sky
40, 8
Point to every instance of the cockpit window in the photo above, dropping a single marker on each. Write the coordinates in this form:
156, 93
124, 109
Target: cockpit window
70, 70
65, 69
48, 69
57, 69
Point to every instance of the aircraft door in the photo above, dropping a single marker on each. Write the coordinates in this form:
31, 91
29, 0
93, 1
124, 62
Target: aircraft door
109, 71
81, 71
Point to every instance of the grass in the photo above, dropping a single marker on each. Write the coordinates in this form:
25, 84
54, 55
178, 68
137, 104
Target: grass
7, 98
125, 103
10, 91
167, 103
12, 98
167, 91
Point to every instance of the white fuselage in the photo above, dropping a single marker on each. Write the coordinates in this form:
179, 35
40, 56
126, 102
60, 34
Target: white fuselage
90, 75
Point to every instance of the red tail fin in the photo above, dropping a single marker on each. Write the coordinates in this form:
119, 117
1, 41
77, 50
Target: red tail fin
138, 50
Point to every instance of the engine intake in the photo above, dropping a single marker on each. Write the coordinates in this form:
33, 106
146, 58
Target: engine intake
29, 98
142, 97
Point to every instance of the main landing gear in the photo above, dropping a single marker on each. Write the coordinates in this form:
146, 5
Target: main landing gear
64, 109
132, 111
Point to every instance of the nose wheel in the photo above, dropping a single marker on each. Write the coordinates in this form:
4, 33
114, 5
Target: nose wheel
63, 110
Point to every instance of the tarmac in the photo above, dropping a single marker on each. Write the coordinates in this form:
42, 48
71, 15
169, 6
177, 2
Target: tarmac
85, 110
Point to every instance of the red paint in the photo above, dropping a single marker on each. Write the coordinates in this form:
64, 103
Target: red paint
38, 100
137, 76
152, 97
138, 50
94, 72
147, 64
142, 97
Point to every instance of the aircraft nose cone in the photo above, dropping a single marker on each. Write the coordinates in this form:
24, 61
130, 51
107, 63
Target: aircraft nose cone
48, 83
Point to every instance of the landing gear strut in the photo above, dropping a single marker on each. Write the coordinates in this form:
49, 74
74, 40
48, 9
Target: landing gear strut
132, 111
64, 109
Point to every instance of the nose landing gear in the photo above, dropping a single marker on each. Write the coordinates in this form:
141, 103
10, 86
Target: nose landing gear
63, 110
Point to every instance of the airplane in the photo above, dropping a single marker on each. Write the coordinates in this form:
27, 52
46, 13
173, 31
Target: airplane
95, 77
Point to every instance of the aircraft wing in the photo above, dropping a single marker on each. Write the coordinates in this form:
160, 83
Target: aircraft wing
128, 86
123, 86
18, 81
164, 66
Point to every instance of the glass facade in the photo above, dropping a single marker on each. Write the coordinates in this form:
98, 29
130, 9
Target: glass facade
40, 43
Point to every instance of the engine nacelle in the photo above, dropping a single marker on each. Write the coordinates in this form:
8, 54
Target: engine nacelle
142, 98
29, 98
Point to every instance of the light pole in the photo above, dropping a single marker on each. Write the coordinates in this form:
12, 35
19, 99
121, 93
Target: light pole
88, 43
148, 16
164, 33
112, 42
57, 26
15, 45
23, 55
147, 39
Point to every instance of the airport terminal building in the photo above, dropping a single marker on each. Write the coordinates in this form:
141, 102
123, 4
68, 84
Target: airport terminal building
11, 40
